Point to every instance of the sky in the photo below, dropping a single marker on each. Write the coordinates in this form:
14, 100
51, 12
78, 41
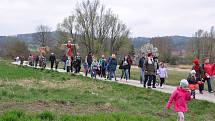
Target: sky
145, 18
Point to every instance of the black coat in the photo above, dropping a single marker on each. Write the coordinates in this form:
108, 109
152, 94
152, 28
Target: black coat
52, 58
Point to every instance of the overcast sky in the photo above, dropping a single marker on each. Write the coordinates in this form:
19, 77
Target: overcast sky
144, 17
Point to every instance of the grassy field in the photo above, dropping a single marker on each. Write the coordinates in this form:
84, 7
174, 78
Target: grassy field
28, 94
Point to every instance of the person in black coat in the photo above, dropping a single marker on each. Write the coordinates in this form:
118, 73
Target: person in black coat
129, 60
89, 62
64, 59
52, 59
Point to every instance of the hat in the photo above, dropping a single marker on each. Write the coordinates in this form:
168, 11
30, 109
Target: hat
184, 83
193, 72
196, 62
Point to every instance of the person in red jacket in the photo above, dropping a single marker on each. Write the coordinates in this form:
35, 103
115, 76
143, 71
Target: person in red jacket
180, 97
208, 74
199, 74
213, 70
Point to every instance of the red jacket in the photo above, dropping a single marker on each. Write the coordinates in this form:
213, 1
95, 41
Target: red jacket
208, 69
180, 97
213, 70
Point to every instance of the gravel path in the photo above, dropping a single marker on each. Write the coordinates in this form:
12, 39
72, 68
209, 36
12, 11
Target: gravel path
166, 88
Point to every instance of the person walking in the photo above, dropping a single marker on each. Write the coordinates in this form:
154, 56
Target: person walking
103, 64
112, 67
125, 68
192, 82
37, 58
68, 65
52, 59
149, 71
94, 68
141, 66
180, 97
78, 63
64, 59
156, 65
207, 74
199, 75
162, 72
89, 62
129, 60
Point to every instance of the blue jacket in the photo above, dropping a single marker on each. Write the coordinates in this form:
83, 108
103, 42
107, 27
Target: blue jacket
141, 63
112, 65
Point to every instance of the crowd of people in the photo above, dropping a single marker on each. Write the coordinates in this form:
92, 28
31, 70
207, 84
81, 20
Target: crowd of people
150, 70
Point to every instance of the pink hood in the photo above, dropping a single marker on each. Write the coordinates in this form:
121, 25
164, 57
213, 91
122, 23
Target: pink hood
179, 97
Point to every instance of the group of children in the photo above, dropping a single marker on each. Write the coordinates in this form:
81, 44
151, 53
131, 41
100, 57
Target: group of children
73, 64
35, 60
187, 89
95, 67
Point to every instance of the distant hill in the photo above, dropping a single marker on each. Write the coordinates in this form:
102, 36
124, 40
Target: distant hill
179, 42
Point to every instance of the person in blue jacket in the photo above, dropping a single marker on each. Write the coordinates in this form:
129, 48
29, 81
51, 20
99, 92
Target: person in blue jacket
112, 67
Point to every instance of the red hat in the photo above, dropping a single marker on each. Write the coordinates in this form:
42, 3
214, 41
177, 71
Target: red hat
196, 62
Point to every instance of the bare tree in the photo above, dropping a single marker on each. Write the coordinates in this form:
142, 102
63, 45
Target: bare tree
203, 44
14, 47
96, 29
43, 35
164, 45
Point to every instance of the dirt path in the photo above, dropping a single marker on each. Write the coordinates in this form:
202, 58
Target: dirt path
167, 88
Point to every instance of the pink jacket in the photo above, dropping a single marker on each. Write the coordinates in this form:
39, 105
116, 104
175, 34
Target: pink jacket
180, 97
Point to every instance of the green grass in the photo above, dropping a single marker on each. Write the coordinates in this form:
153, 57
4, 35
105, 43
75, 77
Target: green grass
78, 98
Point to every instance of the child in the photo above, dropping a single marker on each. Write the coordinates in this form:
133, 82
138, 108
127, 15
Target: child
68, 65
94, 68
180, 97
162, 72
85, 68
192, 82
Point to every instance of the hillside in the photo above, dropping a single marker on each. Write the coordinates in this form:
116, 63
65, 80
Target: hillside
179, 42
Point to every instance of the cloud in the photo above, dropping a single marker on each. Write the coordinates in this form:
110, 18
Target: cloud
143, 17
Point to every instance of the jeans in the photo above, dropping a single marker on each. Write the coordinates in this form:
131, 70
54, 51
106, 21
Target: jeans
153, 80
88, 69
64, 65
125, 72
141, 75
129, 71
111, 73
148, 80
209, 84
94, 73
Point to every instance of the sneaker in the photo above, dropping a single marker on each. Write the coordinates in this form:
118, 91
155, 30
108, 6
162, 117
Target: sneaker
161, 87
144, 86
153, 87
211, 91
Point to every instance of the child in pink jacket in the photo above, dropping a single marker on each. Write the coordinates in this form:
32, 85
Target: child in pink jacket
180, 97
